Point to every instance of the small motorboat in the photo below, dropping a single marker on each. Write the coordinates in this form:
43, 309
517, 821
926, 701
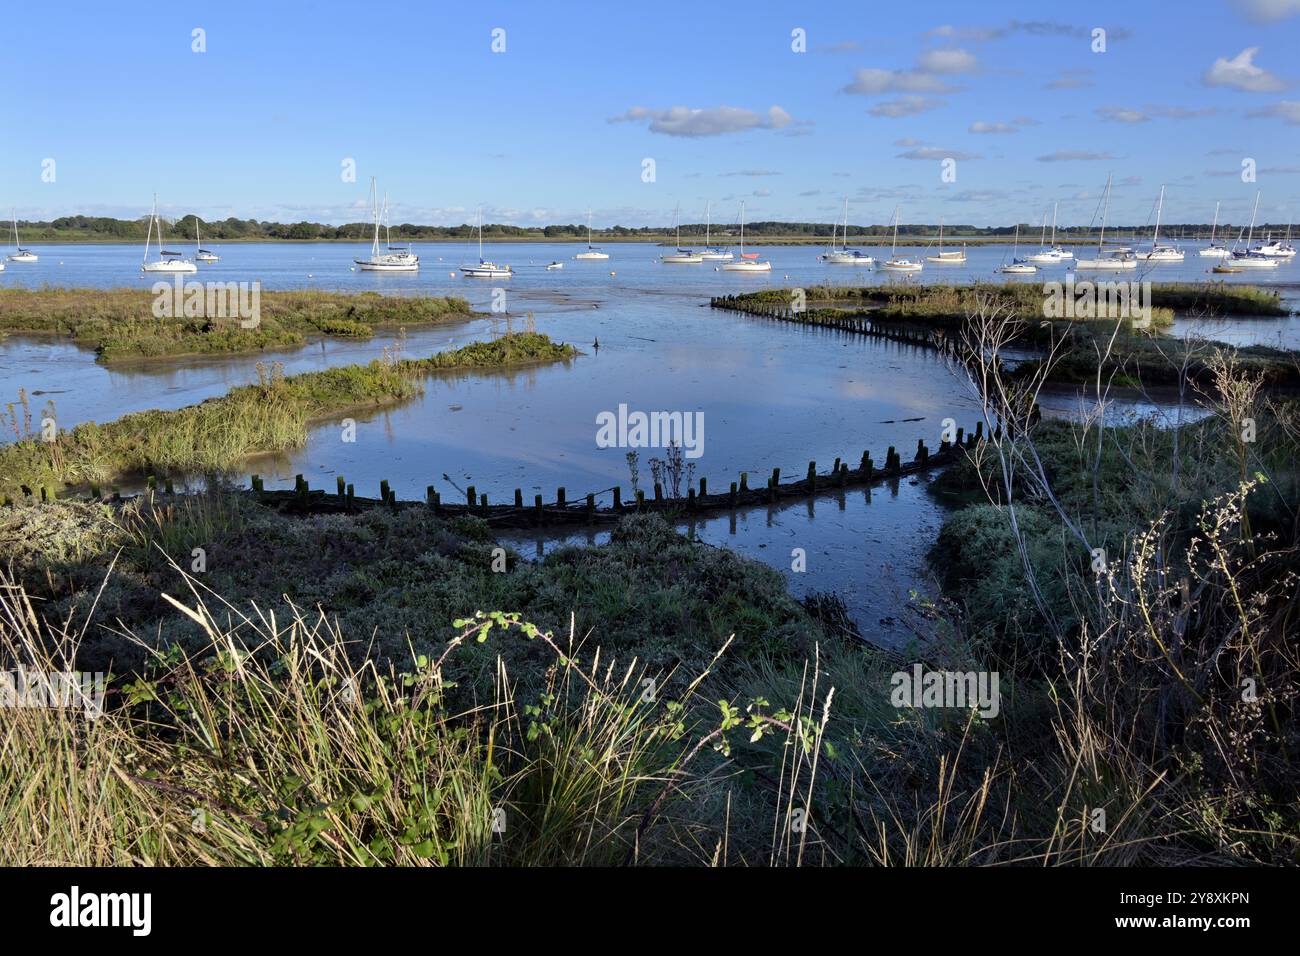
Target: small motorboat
555, 265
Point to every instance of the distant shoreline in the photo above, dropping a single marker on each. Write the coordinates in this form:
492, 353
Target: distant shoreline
874, 241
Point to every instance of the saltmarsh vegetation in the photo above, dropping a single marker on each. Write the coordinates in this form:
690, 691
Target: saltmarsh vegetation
1073, 346
119, 324
270, 415
372, 688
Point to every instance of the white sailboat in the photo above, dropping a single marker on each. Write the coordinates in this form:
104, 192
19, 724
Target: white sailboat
1018, 266
1249, 258
485, 269
1117, 260
894, 263
947, 258
844, 256
168, 261
711, 252
680, 256
1212, 251
201, 254
592, 252
1055, 254
394, 258
19, 254
1159, 253
750, 262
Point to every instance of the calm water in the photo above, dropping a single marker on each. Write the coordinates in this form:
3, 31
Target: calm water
772, 395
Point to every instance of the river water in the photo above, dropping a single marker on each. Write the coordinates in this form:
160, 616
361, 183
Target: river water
768, 394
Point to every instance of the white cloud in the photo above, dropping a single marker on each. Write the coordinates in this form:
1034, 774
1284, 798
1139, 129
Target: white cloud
1070, 80
1241, 73
873, 82
905, 106
992, 128
685, 121
934, 152
947, 60
1268, 11
1070, 155
1286, 110
1119, 114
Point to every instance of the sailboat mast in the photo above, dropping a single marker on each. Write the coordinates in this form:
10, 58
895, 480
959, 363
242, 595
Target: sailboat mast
1042, 236
1105, 211
1214, 225
374, 213
1251, 235
1054, 205
707, 206
893, 250
1160, 205
742, 229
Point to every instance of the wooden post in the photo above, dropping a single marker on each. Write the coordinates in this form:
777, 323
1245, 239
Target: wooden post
690, 498
351, 496
640, 499
732, 497
744, 481
559, 497
383, 489
519, 498
812, 476
961, 436
704, 487
470, 495
844, 474
922, 453
618, 498
659, 492
591, 506
537, 508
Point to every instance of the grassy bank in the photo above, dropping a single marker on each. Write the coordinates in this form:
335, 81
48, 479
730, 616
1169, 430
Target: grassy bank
648, 701
119, 324
1133, 351
271, 415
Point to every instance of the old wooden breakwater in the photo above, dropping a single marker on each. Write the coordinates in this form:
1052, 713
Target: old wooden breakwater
857, 323
609, 506
303, 499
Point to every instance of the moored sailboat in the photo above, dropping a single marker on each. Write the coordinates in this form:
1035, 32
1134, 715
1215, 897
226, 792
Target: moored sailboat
711, 252
747, 262
947, 258
1159, 253
1115, 260
394, 258
486, 269
895, 263
592, 252
680, 256
20, 254
1212, 251
168, 260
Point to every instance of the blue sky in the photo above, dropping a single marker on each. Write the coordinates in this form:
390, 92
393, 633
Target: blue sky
259, 124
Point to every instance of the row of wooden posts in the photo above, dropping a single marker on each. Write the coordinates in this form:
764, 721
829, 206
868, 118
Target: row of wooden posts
563, 510
856, 323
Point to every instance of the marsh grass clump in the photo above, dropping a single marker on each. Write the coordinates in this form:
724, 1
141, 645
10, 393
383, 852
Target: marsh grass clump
119, 324
271, 415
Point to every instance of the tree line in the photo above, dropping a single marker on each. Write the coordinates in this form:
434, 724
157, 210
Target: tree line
102, 227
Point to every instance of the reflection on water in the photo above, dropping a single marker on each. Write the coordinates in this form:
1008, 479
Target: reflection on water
867, 544
772, 394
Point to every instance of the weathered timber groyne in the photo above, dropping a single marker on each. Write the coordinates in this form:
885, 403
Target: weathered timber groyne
598, 507
858, 323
